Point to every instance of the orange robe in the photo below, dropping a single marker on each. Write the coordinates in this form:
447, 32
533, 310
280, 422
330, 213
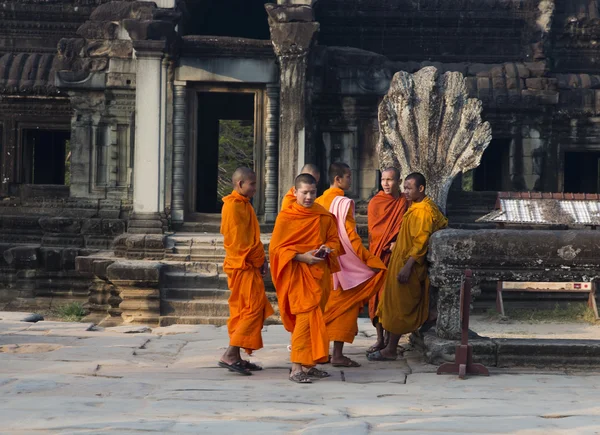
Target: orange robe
385, 215
244, 257
302, 289
405, 307
288, 199
343, 307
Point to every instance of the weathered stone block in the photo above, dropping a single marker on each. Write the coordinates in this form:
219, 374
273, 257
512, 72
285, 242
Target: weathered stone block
92, 226
60, 225
135, 272
23, 257
116, 11
113, 227
68, 258
51, 258
290, 13
98, 30
113, 48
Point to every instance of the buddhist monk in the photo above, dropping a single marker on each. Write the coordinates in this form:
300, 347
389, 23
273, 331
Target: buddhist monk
362, 274
245, 267
404, 305
289, 197
303, 254
385, 213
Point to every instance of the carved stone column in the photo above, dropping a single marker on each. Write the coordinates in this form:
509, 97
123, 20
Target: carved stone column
179, 133
148, 167
272, 154
293, 32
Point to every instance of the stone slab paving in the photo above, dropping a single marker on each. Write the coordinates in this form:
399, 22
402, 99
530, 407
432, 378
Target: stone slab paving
71, 378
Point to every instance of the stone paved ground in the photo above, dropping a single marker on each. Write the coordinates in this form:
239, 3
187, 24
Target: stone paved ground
68, 378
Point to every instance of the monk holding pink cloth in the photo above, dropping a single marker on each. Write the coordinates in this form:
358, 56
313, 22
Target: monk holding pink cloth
362, 274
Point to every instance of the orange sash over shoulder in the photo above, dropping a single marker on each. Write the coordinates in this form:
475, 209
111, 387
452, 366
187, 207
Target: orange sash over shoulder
288, 199
385, 215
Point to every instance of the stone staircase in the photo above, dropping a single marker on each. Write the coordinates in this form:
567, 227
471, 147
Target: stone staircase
193, 286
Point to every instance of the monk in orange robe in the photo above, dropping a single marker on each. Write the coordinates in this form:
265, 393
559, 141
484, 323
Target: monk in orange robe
404, 305
385, 213
290, 197
303, 253
245, 267
343, 308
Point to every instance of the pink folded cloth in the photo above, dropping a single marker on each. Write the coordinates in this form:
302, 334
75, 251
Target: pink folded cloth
353, 271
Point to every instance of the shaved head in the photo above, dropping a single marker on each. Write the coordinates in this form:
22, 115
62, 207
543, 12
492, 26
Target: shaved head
313, 170
244, 181
304, 179
394, 171
242, 174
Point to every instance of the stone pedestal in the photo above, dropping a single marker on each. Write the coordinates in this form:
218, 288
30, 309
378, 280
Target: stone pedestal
293, 33
149, 168
137, 283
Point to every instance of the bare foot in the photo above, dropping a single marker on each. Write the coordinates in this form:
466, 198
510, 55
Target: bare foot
379, 344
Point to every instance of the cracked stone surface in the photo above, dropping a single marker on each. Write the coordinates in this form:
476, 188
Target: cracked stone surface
70, 378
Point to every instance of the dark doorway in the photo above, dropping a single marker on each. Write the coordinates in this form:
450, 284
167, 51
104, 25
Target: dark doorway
492, 175
225, 142
45, 156
239, 18
582, 170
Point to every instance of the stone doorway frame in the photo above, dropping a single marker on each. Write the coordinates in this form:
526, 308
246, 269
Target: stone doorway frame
20, 136
260, 104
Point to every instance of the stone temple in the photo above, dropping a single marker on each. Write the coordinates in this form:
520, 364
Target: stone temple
120, 122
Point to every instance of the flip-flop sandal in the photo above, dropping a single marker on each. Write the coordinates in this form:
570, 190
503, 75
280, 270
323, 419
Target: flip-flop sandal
237, 367
377, 356
374, 348
348, 363
314, 372
251, 366
300, 378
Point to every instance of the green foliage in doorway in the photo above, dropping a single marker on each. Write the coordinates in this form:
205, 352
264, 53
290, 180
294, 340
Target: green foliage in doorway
236, 148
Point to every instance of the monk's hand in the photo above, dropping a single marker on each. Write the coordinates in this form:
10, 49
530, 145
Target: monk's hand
309, 257
404, 274
391, 248
264, 269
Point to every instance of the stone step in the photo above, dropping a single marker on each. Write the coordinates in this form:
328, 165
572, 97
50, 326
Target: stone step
194, 280
201, 320
192, 320
196, 307
213, 307
196, 294
193, 267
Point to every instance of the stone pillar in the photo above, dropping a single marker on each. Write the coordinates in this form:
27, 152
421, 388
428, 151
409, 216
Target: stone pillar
293, 32
148, 169
271, 154
179, 133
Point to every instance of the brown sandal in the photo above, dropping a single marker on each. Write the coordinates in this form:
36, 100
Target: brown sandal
314, 372
300, 378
